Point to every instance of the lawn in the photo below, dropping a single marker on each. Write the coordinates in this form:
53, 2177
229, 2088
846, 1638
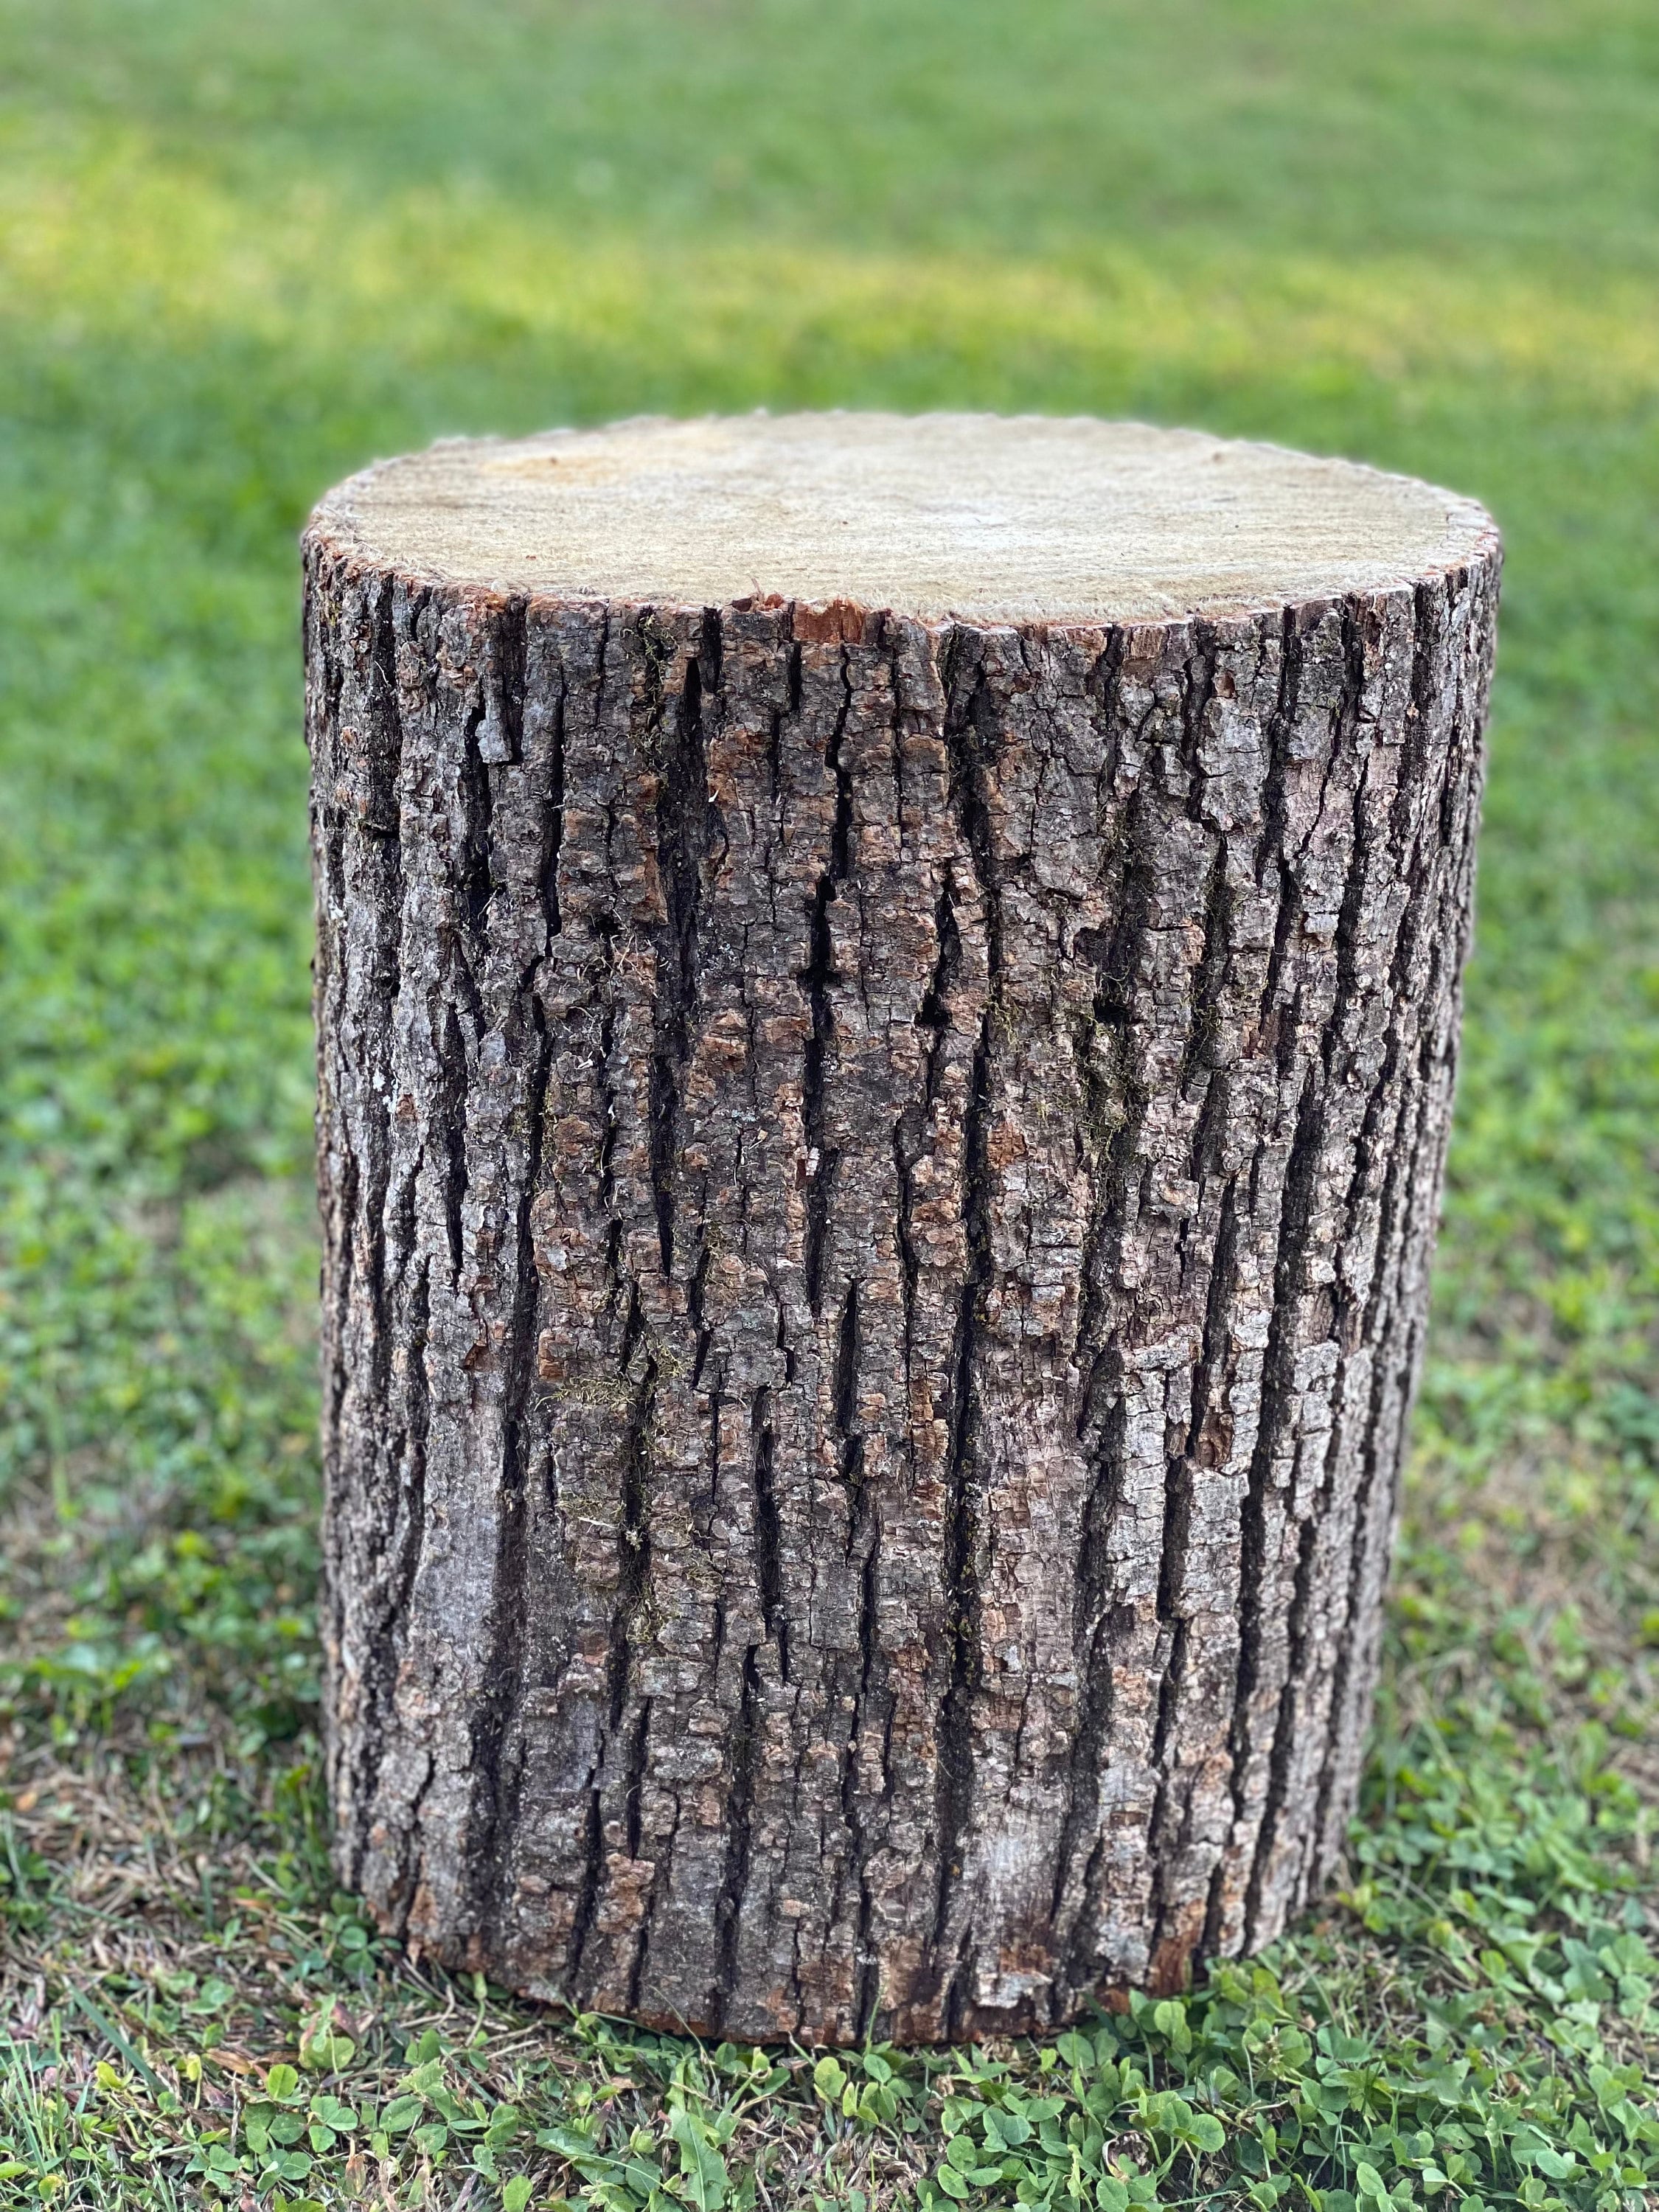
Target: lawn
243, 248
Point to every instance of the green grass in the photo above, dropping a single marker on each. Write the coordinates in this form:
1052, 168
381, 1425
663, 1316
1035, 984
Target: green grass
243, 248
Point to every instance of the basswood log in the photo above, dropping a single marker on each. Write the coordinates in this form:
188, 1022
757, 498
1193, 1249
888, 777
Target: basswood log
887, 994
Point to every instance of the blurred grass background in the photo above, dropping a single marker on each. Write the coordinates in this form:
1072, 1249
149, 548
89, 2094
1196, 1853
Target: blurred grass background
244, 248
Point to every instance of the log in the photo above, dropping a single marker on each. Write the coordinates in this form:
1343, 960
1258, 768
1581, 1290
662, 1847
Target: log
887, 994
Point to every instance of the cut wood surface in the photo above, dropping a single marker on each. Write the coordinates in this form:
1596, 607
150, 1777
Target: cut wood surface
887, 997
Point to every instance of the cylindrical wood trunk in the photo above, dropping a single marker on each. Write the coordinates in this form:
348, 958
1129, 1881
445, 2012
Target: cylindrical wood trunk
887, 994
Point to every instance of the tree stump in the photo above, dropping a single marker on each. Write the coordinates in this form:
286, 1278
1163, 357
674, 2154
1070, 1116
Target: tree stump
887, 994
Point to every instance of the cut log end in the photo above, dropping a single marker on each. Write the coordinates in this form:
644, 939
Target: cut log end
971, 517
887, 996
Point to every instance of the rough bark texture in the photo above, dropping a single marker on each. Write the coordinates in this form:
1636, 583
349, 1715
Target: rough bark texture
878, 1181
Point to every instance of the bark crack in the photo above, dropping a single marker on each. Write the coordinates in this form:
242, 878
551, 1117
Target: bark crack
686, 831
1276, 1412
1318, 1098
384, 1650
728, 1906
494, 1812
818, 980
768, 1533
962, 1534
1115, 1101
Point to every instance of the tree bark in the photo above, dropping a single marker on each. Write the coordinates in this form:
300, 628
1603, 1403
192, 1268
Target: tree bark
878, 1171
